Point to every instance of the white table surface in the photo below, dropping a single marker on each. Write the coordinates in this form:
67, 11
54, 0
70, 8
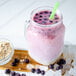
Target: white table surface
13, 14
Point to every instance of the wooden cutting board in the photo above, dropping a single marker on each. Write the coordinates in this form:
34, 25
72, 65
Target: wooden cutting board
20, 54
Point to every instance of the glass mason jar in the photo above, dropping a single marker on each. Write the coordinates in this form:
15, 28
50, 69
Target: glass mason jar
6, 51
45, 42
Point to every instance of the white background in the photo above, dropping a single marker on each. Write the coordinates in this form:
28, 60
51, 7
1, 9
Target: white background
13, 14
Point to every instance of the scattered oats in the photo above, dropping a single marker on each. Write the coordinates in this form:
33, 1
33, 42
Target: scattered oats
30, 66
22, 60
19, 69
5, 49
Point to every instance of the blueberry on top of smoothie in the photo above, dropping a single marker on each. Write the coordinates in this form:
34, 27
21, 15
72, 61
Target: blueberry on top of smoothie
40, 19
41, 12
36, 14
43, 18
56, 18
35, 17
46, 12
51, 21
40, 16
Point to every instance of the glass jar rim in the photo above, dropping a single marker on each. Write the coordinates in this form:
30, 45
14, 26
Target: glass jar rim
36, 10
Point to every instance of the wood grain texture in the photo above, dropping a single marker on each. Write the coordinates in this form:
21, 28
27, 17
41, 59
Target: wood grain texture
20, 54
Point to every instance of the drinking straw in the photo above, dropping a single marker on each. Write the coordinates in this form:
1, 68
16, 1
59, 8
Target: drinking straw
54, 10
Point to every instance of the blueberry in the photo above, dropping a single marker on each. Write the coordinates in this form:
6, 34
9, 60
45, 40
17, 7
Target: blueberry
61, 62
35, 20
43, 72
40, 16
45, 12
51, 21
14, 64
26, 61
36, 14
33, 70
59, 67
13, 73
45, 19
56, 18
17, 74
40, 19
56, 21
51, 66
35, 17
16, 60
38, 71
43, 22
23, 75
7, 71
50, 12
41, 12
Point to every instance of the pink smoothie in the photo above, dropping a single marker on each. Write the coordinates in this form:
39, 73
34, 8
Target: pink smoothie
45, 37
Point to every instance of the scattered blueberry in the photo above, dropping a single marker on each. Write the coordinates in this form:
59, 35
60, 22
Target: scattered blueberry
13, 73
7, 71
38, 71
51, 66
17, 74
23, 75
14, 64
61, 62
59, 67
43, 72
33, 70
26, 61
16, 60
